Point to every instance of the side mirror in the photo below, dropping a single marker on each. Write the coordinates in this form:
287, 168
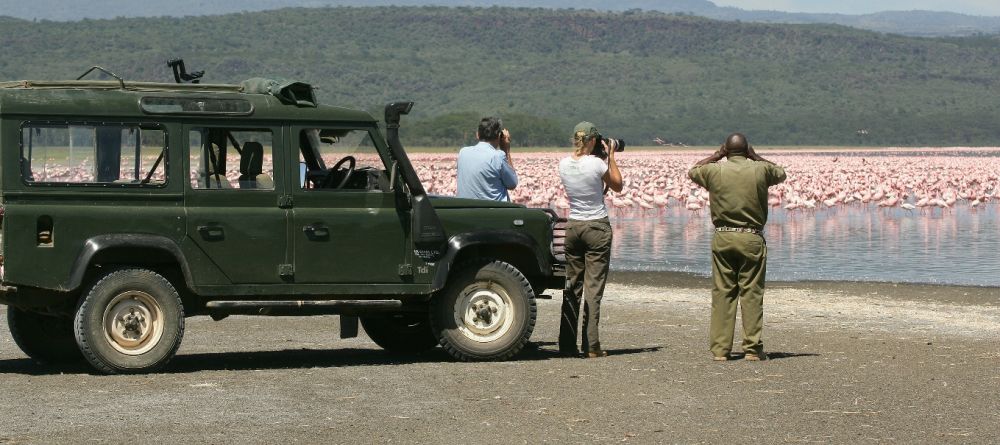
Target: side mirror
393, 171
399, 188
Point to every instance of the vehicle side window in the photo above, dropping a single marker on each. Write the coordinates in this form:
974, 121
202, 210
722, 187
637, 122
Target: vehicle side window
340, 159
231, 158
123, 154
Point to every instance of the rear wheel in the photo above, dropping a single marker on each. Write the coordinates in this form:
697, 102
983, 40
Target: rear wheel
46, 339
486, 312
400, 333
130, 321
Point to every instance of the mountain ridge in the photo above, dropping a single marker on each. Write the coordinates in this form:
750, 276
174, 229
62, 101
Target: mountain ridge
914, 23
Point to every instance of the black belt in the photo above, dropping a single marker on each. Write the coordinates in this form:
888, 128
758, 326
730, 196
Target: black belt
740, 229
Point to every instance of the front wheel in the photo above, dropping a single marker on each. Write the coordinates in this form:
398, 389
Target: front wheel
46, 339
130, 321
486, 312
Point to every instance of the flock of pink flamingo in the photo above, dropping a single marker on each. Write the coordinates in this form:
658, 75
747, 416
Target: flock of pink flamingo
924, 179
930, 179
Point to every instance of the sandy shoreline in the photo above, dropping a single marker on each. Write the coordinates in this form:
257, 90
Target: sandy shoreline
931, 293
917, 309
850, 363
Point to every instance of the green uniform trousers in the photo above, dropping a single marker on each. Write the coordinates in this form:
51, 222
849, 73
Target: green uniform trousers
588, 256
739, 262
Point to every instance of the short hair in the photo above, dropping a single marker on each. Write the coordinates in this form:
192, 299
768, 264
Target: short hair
490, 128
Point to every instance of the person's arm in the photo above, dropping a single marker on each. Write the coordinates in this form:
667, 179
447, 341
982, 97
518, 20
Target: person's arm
613, 177
714, 157
698, 173
753, 156
775, 174
508, 175
505, 146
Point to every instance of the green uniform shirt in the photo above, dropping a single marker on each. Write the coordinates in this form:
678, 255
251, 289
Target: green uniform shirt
738, 190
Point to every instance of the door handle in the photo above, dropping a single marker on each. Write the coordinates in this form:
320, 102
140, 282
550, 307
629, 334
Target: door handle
317, 232
212, 233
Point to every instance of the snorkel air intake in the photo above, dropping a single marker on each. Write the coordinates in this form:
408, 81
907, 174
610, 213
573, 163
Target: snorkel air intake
428, 233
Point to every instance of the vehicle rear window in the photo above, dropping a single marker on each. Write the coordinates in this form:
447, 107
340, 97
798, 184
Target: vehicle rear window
83, 153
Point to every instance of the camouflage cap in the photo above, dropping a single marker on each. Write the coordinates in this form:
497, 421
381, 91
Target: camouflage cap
588, 129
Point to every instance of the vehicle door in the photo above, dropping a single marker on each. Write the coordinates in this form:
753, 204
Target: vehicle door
347, 227
232, 197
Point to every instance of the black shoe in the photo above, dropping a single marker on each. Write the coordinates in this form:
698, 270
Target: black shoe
569, 352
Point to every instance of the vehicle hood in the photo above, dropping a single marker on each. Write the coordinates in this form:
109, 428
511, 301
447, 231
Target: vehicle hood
451, 202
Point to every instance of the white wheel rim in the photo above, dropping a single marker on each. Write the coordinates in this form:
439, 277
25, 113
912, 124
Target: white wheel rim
133, 323
484, 312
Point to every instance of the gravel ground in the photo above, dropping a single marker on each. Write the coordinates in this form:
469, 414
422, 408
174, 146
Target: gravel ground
850, 363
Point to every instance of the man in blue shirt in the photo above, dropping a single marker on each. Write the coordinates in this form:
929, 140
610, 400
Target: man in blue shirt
485, 170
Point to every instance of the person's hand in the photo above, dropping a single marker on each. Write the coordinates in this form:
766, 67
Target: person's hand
505, 140
714, 157
721, 153
753, 156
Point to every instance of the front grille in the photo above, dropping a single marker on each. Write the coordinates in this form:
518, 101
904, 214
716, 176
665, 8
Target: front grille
558, 247
559, 240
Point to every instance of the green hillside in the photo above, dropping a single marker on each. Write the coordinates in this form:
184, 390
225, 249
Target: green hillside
913, 23
637, 75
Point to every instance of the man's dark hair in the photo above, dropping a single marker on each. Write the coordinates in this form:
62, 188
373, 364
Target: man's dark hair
736, 144
490, 128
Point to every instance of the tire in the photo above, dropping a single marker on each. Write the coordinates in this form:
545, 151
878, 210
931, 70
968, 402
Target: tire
400, 333
46, 339
130, 321
505, 317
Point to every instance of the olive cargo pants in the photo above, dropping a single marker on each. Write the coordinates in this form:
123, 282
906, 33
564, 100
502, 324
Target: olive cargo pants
588, 256
739, 263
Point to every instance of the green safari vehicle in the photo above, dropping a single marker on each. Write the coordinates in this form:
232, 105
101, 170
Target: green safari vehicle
128, 206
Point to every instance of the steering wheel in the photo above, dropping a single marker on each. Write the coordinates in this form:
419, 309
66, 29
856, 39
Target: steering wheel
347, 177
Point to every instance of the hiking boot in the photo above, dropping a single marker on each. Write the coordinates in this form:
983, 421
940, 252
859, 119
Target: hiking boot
597, 353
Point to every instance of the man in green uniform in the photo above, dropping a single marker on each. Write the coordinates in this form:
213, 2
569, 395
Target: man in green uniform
738, 202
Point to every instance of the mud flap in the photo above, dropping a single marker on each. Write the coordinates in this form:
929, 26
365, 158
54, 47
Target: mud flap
348, 326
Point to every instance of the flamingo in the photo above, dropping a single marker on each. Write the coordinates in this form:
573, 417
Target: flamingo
660, 179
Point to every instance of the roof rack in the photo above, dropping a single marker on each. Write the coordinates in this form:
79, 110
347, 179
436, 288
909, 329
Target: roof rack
120, 85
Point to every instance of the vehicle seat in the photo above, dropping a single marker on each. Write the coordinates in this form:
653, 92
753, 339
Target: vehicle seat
252, 168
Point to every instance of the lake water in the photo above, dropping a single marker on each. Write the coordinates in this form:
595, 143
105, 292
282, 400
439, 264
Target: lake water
853, 243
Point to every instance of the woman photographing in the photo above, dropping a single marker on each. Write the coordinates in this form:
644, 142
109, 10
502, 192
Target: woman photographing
588, 236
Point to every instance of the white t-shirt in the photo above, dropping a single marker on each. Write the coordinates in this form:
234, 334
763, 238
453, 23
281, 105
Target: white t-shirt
582, 180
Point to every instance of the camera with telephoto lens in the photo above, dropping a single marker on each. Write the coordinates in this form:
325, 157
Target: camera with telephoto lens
599, 148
